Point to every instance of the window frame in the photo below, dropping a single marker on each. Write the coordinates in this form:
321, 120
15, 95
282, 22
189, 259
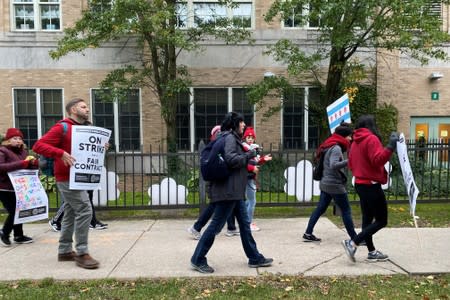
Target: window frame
306, 121
38, 105
193, 145
37, 15
116, 121
190, 11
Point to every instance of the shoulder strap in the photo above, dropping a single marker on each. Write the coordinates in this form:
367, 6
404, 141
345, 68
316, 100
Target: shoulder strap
65, 127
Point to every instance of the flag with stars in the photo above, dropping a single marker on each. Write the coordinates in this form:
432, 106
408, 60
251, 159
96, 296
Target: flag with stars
338, 111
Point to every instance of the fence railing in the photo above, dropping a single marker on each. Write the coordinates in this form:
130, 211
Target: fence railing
160, 180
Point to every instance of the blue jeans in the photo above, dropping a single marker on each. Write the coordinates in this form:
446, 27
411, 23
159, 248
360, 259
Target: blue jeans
341, 201
250, 193
223, 209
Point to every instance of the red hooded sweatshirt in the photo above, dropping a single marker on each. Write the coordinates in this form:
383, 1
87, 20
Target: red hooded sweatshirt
367, 157
54, 143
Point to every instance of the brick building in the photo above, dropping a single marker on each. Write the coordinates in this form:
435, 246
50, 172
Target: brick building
34, 87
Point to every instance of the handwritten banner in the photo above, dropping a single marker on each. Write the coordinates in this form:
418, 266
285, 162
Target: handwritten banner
31, 199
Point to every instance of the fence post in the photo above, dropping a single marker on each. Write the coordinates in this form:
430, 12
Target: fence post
201, 181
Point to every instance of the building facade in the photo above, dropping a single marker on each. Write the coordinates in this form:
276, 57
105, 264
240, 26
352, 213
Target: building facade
34, 88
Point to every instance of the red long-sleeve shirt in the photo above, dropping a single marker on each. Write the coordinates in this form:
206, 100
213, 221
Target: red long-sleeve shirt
53, 144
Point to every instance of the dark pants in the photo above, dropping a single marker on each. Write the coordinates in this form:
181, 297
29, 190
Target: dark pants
207, 214
341, 201
222, 211
9, 203
374, 212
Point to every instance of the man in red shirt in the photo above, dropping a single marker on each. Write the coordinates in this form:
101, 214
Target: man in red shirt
57, 144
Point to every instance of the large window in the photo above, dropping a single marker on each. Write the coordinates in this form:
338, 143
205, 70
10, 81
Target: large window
121, 117
29, 103
302, 16
36, 15
205, 108
192, 13
299, 131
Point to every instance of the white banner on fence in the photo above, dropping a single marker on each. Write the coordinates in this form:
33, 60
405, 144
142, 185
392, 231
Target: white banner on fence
338, 111
408, 177
88, 148
31, 199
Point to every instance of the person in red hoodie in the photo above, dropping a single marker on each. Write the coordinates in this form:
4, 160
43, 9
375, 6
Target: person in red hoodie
13, 157
367, 158
57, 144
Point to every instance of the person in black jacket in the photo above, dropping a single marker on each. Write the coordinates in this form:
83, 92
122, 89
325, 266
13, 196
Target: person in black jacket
228, 196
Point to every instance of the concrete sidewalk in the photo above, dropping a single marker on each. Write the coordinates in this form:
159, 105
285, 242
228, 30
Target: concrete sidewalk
162, 248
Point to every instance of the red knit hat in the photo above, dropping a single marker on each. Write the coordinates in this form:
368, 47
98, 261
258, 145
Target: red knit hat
249, 131
12, 132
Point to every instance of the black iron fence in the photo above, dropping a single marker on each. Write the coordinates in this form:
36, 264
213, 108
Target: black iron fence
160, 180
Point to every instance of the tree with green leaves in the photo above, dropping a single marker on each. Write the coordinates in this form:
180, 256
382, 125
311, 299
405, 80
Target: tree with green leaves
156, 29
413, 27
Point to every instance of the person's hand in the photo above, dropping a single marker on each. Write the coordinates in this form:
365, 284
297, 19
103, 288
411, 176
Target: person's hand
393, 139
267, 157
68, 159
107, 145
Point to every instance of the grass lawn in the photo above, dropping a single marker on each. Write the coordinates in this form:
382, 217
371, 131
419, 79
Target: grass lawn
261, 287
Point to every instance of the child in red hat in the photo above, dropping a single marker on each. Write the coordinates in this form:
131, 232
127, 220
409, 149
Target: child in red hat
249, 138
13, 156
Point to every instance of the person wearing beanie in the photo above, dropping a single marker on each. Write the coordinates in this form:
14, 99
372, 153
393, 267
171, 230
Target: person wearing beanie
333, 182
366, 160
228, 196
13, 157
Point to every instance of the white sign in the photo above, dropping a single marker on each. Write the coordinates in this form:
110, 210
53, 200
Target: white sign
338, 111
408, 177
31, 199
88, 148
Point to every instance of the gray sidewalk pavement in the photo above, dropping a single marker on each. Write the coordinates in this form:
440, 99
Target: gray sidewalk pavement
162, 248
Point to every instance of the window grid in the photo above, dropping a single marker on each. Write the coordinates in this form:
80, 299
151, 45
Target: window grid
183, 121
129, 134
26, 102
294, 110
192, 13
36, 15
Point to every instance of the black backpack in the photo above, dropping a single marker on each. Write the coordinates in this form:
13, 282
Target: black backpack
318, 166
212, 163
46, 163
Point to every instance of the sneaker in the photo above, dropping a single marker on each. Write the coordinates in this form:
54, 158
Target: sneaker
196, 235
205, 268
253, 227
4, 240
349, 249
54, 226
70, 256
376, 256
99, 226
266, 262
86, 261
23, 239
232, 232
310, 238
